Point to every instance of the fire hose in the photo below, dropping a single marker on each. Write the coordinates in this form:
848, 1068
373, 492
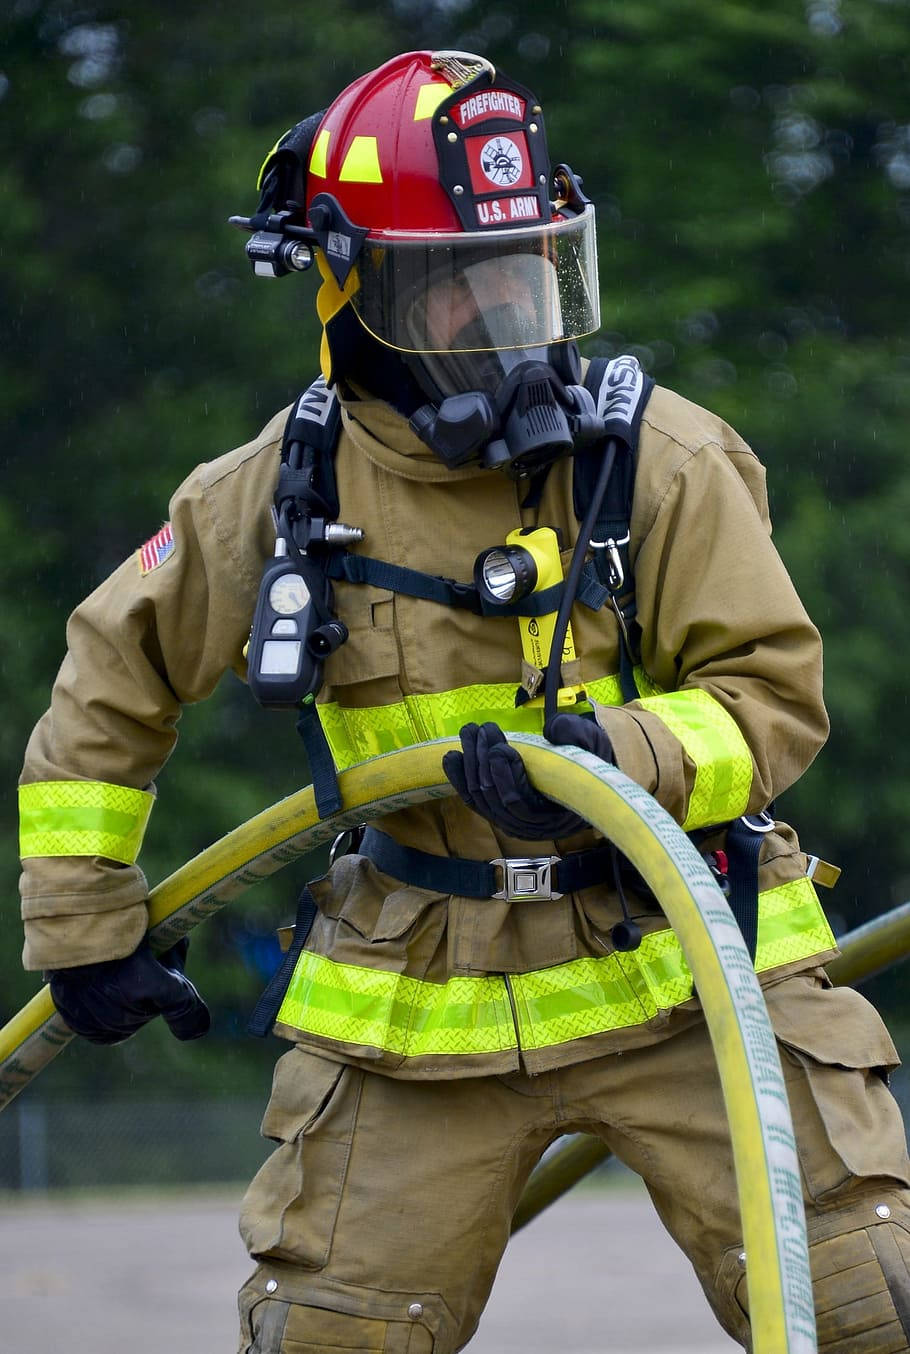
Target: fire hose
767, 1172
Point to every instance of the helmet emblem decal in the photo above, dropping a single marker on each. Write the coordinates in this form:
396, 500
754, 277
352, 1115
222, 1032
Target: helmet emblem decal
501, 161
492, 151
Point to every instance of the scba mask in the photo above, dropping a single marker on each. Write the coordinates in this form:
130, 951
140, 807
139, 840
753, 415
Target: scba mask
530, 418
486, 323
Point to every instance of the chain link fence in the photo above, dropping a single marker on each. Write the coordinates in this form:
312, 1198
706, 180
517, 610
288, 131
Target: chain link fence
81, 1144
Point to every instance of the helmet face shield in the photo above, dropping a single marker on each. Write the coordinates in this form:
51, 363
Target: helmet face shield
480, 291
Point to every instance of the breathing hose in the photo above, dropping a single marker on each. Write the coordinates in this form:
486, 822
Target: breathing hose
767, 1172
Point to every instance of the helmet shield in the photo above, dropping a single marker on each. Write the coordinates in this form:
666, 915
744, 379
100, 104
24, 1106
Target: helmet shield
480, 291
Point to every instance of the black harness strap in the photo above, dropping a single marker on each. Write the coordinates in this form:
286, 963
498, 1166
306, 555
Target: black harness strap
621, 391
743, 846
475, 878
434, 588
307, 490
266, 1008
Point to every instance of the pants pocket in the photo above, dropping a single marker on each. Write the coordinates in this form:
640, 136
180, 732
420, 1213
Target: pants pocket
291, 1207
284, 1312
836, 1053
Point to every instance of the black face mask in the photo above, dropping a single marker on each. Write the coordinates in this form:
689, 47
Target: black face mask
523, 413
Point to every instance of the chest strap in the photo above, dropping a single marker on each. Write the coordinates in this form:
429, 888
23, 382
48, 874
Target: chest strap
343, 564
513, 878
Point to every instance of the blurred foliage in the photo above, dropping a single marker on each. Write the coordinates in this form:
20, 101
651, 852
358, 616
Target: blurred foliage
751, 169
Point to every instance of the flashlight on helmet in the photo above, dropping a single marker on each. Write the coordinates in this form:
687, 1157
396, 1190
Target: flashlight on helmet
528, 562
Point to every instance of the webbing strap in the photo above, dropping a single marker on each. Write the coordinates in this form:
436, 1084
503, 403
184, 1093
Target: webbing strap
475, 878
621, 390
314, 423
319, 756
82, 818
266, 1008
433, 588
743, 846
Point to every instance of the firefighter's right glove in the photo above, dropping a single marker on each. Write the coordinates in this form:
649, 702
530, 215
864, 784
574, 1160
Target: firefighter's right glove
490, 777
108, 1002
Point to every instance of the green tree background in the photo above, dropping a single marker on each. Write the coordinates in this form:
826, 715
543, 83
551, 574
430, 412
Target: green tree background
751, 168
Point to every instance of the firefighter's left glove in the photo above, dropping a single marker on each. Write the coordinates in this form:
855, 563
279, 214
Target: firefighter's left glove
108, 1002
565, 728
490, 777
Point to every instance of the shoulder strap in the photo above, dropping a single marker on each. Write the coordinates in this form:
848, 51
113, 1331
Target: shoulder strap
307, 474
621, 390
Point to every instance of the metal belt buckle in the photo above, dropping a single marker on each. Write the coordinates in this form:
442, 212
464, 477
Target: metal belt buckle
526, 877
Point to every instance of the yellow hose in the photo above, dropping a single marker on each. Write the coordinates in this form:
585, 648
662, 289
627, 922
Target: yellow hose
780, 1292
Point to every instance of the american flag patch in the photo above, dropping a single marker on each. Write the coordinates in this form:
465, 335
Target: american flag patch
156, 551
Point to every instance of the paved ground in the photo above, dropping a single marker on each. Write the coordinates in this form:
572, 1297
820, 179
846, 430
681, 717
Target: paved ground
595, 1274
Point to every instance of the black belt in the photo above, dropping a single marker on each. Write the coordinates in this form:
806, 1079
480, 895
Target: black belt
513, 878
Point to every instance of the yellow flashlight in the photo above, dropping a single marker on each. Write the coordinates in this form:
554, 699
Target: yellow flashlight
529, 562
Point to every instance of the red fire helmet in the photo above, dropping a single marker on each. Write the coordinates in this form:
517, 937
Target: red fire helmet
431, 174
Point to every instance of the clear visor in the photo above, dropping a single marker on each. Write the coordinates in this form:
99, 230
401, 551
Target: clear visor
481, 291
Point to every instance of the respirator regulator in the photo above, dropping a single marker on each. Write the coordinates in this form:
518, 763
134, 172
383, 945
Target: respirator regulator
537, 413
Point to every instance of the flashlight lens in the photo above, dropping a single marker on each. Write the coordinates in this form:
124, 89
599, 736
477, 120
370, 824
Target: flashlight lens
505, 573
499, 575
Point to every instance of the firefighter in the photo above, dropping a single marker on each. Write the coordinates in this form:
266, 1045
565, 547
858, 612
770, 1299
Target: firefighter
481, 975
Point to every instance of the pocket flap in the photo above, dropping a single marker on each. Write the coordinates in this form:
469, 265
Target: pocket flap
376, 906
833, 1025
302, 1087
367, 653
401, 910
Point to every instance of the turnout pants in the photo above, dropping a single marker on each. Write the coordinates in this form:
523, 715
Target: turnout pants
381, 1217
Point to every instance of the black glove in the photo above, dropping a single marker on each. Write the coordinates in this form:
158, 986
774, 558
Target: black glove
489, 776
108, 1002
581, 732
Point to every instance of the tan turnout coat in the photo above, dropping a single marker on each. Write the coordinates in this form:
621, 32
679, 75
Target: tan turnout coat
717, 610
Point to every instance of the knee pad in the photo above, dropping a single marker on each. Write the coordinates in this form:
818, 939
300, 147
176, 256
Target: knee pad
860, 1259
859, 1256
291, 1313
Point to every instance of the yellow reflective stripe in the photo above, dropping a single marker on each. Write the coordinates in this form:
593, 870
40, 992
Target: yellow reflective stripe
320, 153
412, 1017
791, 925
357, 734
713, 741
429, 97
390, 1011
82, 818
361, 163
591, 996
608, 690
354, 735
605, 690
263, 168
646, 684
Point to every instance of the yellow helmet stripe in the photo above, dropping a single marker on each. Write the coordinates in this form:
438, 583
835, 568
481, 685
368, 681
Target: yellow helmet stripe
429, 97
361, 164
320, 154
263, 169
